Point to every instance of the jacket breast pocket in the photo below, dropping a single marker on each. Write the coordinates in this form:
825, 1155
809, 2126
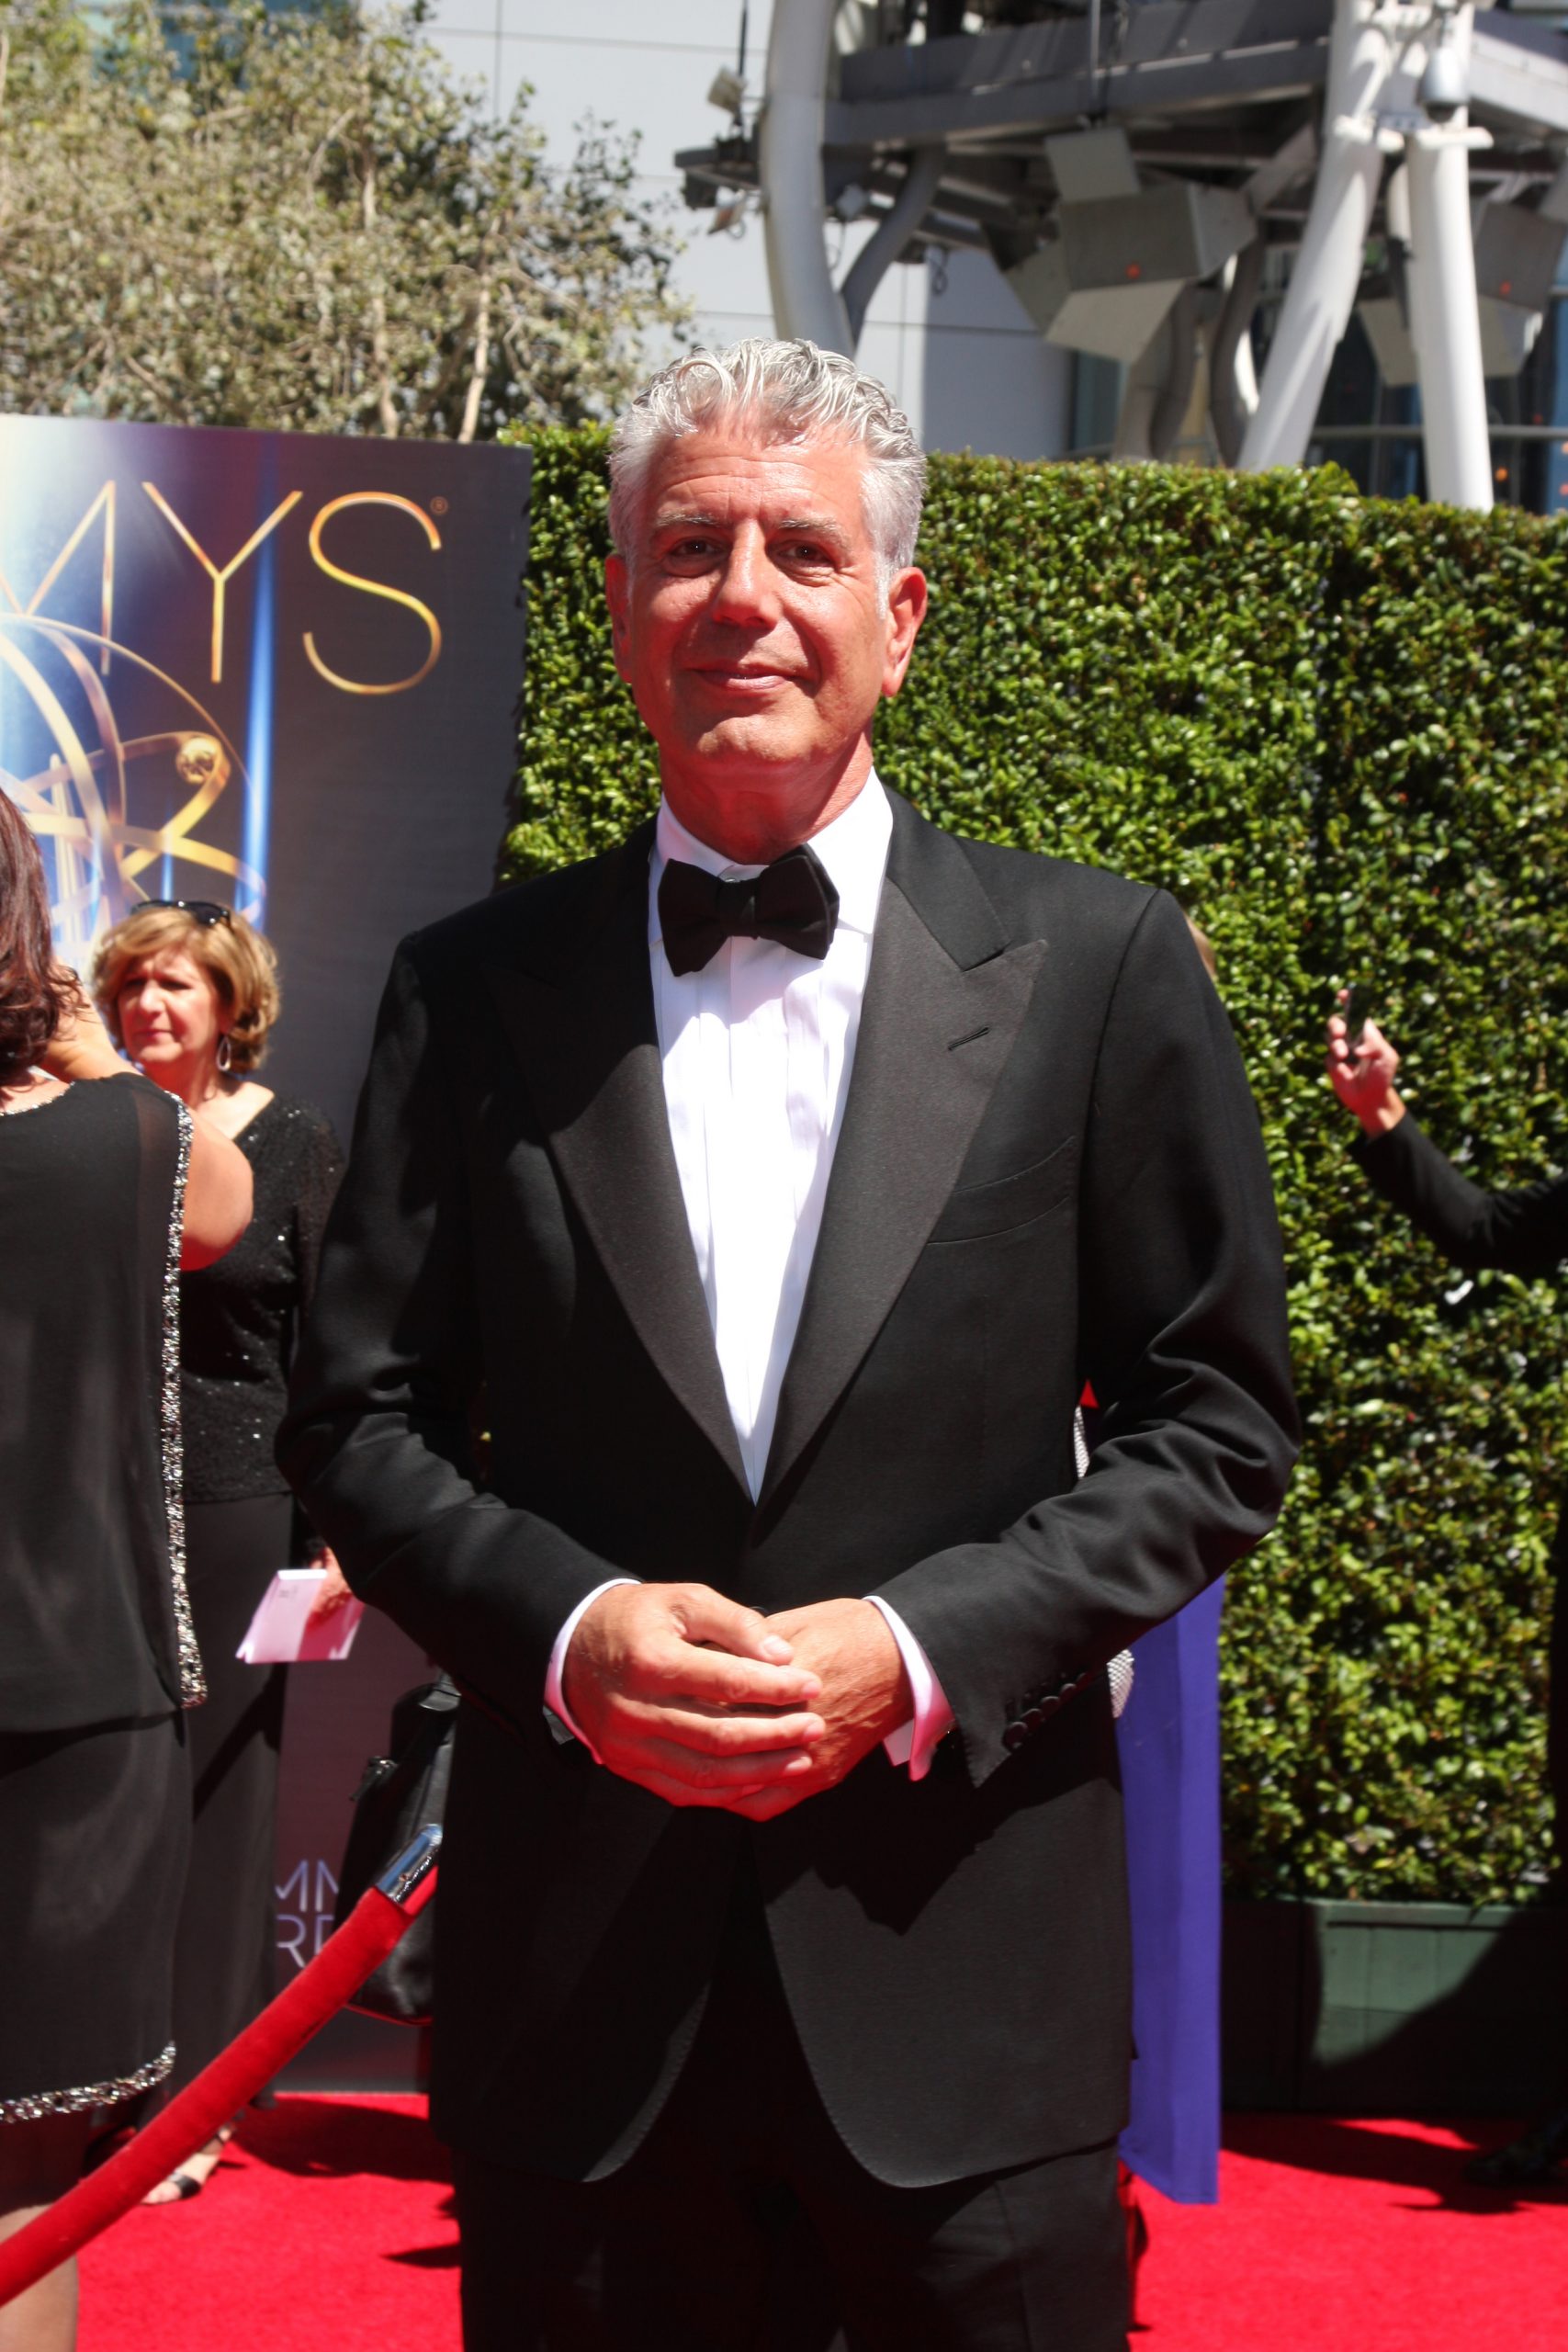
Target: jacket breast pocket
976, 1211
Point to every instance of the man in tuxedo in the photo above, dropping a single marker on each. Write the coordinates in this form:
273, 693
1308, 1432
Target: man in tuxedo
780, 1177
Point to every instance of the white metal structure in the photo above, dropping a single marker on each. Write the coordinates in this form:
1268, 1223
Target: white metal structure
1380, 60
790, 137
1145, 172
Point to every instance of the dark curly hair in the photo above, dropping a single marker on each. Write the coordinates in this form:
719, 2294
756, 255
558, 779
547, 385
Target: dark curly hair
35, 992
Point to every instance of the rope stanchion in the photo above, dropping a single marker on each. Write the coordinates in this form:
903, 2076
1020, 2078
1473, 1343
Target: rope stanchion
371, 1932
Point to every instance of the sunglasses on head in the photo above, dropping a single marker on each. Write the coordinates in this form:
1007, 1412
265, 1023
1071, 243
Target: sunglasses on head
205, 911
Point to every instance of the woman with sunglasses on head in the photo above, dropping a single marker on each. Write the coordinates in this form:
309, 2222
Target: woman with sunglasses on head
190, 991
105, 1189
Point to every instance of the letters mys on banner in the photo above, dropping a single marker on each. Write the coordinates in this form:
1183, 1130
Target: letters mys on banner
281, 671
275, 670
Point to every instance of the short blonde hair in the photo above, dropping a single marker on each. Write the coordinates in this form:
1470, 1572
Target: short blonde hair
237, 960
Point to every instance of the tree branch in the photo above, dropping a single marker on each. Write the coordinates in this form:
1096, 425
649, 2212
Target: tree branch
381, 356
480, 369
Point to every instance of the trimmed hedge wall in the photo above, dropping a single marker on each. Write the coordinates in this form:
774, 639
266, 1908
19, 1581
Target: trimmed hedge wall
1333, 729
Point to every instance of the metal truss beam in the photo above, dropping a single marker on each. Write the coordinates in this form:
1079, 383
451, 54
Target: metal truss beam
1159, 33
1186, 106
1175, 56
1259, 77
1518, 76
1172, 53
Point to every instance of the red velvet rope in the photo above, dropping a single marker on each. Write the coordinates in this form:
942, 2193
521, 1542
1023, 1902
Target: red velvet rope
371, 1930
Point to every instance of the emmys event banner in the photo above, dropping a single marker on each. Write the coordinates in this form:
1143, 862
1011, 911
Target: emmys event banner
282, 672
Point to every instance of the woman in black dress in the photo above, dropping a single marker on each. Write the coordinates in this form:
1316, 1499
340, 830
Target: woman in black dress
191, 992
107, 1188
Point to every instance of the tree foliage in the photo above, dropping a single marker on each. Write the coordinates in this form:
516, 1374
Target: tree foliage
1333, 727
302, 220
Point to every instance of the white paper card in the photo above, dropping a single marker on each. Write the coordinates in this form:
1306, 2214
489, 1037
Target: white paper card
278, 1634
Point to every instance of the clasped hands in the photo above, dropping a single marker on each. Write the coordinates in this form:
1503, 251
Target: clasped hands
704, 1703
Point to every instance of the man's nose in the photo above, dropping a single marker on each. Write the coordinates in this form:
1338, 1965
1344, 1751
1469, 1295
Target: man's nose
746, 590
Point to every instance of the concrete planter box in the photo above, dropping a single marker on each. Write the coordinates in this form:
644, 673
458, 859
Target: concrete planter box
1394, 2008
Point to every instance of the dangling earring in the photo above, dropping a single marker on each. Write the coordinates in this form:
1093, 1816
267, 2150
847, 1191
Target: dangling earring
225, 1054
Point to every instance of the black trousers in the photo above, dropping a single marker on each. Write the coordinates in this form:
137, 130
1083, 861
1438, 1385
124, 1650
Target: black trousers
743, 2224
225, 1947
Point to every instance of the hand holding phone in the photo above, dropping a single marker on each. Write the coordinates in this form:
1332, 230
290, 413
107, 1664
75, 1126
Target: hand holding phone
1346, 1000
1361, 1070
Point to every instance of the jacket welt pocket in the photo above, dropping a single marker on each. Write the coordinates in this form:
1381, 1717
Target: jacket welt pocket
975, 1210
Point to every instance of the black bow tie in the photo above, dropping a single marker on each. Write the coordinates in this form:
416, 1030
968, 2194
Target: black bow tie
792, 901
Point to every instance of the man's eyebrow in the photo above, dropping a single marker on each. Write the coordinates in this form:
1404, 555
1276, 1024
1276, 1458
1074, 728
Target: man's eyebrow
814, 526
689, 519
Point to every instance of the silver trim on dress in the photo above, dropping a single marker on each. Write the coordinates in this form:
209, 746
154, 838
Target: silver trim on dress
193, 1680
38, 2104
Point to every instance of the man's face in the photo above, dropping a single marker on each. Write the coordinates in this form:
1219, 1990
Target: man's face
751, 627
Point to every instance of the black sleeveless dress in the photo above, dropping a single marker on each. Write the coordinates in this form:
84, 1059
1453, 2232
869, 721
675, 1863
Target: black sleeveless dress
97, 1657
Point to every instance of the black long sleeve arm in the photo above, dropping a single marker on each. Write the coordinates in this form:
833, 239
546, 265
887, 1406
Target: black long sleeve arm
1520, 1232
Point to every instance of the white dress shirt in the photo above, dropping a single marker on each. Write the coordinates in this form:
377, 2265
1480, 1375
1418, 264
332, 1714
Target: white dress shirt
758, 1049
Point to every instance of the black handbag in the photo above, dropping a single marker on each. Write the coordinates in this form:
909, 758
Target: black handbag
400, 1794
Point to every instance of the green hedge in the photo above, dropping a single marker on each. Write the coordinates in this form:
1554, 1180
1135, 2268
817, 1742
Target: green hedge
1333, 729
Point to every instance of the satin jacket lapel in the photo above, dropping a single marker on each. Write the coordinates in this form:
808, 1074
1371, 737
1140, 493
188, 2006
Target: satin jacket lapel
943, 1002
581, 1023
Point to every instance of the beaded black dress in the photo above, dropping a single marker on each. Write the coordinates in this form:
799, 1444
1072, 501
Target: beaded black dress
97, 1658
238, 1326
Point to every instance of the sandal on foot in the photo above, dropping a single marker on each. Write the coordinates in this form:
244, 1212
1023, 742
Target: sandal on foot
183, 2184
176, 2188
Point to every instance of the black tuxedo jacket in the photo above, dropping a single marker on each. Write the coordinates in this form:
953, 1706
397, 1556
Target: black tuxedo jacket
1049, 1171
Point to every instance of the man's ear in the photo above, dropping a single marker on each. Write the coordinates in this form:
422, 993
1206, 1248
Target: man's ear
617, 596
907, 600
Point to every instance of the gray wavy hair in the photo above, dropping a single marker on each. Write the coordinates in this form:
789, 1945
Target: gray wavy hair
795, 392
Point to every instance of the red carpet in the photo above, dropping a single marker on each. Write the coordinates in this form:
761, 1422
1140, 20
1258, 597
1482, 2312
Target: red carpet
331, 2230
1356, 2237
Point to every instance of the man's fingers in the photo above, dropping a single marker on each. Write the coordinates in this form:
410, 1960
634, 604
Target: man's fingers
728, 1734
721, 1775
663, 1645
767, 1804
683, 1794
705, 1616
723, 1680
